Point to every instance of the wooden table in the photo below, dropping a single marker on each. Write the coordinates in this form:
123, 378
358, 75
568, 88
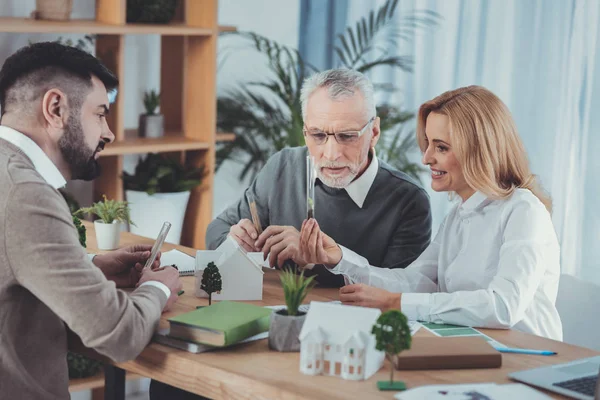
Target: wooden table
251, 370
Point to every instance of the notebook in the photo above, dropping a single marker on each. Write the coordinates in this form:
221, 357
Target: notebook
221, 324
185, 264
163, 337
449, 353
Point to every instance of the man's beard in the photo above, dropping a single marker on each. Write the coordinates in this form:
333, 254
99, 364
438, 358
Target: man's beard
74, 150
337, 182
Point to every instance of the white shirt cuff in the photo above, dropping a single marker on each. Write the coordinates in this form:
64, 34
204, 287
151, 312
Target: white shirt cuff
353, 266
91, 256
159, 285
416, 306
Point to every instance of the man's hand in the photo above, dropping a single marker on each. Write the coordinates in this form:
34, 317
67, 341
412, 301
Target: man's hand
124, 266
283, 242
169, 276
245, 234
369, 296
316, 247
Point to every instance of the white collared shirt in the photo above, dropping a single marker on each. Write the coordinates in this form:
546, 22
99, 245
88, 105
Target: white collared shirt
46, 168
359, 188
493, 263
42, 163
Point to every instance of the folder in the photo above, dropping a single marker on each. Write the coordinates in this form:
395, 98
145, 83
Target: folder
449, 353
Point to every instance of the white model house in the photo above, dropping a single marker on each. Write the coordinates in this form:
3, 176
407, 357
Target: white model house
337, 340
241, 272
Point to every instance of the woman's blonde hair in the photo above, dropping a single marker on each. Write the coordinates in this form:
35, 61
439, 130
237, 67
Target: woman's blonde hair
485, 140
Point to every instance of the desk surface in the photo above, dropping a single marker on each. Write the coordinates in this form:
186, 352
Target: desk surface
251, 370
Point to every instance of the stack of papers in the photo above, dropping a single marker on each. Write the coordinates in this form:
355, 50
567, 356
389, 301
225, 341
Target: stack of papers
474, 391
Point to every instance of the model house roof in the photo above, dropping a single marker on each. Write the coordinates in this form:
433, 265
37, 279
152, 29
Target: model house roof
338, 323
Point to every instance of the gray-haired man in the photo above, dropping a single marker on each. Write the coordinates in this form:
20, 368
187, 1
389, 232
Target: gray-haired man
361, 202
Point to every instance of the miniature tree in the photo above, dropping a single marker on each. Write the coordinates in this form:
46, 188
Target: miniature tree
392, 334
211, 281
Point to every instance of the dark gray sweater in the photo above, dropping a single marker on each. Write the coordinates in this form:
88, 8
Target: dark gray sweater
391, 229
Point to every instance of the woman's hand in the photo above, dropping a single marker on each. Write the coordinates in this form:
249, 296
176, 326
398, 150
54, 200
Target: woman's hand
316, 247
369, 296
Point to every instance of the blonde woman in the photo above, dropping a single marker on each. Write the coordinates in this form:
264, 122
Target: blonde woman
495, 260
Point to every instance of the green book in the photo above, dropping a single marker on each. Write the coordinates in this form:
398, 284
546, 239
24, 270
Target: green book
221, 324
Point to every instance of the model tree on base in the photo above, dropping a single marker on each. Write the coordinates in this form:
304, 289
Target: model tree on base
392, 334
211, 281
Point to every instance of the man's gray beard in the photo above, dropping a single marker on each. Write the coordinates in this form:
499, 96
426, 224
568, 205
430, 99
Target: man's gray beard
338, 183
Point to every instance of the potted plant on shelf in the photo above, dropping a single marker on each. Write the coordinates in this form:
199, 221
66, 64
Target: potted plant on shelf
151, 11
158, 191
392, 335
286, 324
151, 123
58, 10
111, 214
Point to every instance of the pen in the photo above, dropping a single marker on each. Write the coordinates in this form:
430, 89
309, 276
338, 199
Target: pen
526, 351
180, 292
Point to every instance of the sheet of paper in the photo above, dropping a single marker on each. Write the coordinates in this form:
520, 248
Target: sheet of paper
448, 330
184, 262
475, 391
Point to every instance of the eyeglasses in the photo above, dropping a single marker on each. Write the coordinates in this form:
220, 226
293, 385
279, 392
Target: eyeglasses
349, 137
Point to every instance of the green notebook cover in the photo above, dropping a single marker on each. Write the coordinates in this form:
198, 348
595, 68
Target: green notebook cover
234, 320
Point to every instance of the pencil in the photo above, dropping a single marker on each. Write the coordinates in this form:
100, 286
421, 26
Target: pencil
254, 212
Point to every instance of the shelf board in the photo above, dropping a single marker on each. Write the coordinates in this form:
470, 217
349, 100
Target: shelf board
225, 137
94, 382
153, 145
87, 26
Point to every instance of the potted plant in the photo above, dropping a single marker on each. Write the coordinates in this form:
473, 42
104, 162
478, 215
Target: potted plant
111, 214
159, 191
151, 11
80, 366
286, 324
151, 123
59, 10
266, 115
392, 335
211, 281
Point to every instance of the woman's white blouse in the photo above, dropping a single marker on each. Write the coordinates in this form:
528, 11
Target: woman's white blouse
493, 264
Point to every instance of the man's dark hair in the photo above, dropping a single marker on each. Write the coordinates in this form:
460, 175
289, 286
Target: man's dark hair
34, 69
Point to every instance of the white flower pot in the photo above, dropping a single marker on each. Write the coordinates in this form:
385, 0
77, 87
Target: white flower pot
149, 212
151, 126
107, 235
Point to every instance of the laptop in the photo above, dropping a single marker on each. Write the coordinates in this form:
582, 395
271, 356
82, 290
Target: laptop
578, 379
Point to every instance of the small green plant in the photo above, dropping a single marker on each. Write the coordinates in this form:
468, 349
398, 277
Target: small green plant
151, 102
108, 211
295, 288
80, 231
160, 174
392, 335
211, 281
80, 366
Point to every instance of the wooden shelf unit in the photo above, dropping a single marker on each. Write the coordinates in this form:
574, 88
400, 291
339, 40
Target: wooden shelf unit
187, 87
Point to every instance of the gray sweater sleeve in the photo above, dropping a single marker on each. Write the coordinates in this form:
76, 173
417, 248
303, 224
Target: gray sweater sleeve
46, 258
263, 184
413, 234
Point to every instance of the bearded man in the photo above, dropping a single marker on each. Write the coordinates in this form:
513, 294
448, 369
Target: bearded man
360, 201
54, 101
